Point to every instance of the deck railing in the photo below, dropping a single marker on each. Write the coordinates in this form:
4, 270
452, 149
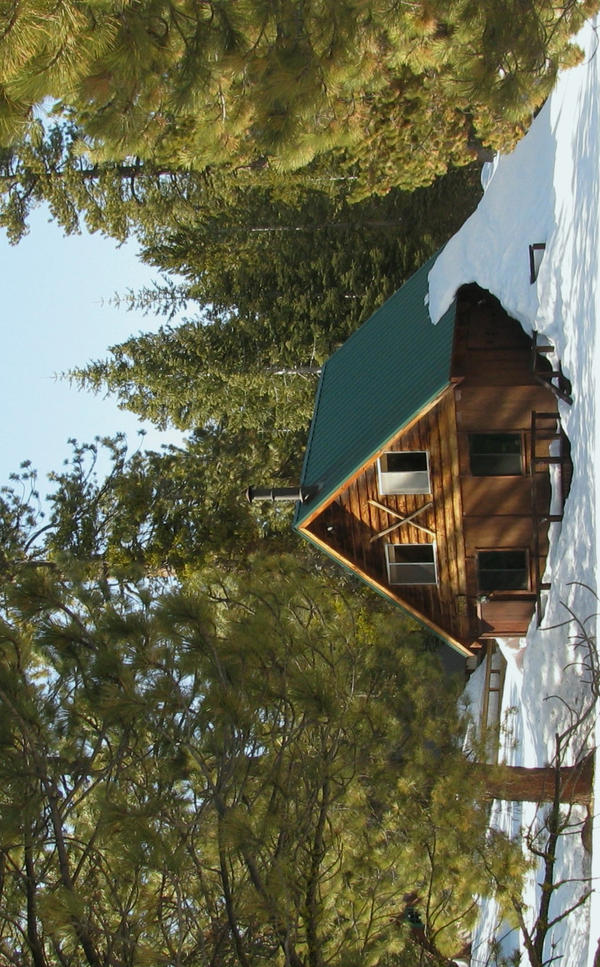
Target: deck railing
547, 436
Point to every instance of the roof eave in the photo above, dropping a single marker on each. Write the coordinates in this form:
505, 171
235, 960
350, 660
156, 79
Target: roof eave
327, 498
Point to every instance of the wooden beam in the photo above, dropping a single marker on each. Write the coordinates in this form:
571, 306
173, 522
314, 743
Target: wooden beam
402, 520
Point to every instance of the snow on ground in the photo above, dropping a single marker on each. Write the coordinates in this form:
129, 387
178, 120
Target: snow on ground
548, 190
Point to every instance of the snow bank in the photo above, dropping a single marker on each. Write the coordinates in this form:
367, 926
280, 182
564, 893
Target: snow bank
548, 190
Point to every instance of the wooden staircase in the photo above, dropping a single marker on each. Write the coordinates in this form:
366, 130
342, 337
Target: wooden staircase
491, 705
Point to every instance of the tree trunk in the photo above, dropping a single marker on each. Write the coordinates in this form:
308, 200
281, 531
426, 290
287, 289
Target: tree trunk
519, 784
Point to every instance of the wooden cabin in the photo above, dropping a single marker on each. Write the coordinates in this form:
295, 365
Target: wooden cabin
427, 464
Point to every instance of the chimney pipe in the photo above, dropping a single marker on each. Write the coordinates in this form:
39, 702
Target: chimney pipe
295, 494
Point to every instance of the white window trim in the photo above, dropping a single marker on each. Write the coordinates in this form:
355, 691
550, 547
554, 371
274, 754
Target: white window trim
397, 482
393, 564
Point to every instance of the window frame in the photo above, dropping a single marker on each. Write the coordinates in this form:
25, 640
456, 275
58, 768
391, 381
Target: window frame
390, 489
389, 564
519, 458
490, 570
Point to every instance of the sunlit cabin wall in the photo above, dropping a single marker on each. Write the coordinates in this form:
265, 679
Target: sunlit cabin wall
351, 523
496, 395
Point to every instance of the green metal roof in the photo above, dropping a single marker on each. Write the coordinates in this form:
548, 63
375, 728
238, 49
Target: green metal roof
383, 376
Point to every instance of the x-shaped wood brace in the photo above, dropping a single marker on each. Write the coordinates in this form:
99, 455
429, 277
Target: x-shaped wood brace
402, 520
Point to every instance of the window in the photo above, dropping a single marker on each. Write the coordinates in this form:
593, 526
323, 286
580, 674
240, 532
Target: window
495, 454
503, 570
404, 472
411, 563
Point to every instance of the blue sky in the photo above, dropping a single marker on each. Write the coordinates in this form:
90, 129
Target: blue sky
55, 316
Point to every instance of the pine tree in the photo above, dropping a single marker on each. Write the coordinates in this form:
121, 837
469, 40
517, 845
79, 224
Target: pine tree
48, 165
390, 95
158, 512
229, 768
234, 765
276, 288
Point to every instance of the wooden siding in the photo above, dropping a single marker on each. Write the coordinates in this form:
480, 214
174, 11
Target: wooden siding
484, 496
491, 408
500, 531
350, 522
498, 393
